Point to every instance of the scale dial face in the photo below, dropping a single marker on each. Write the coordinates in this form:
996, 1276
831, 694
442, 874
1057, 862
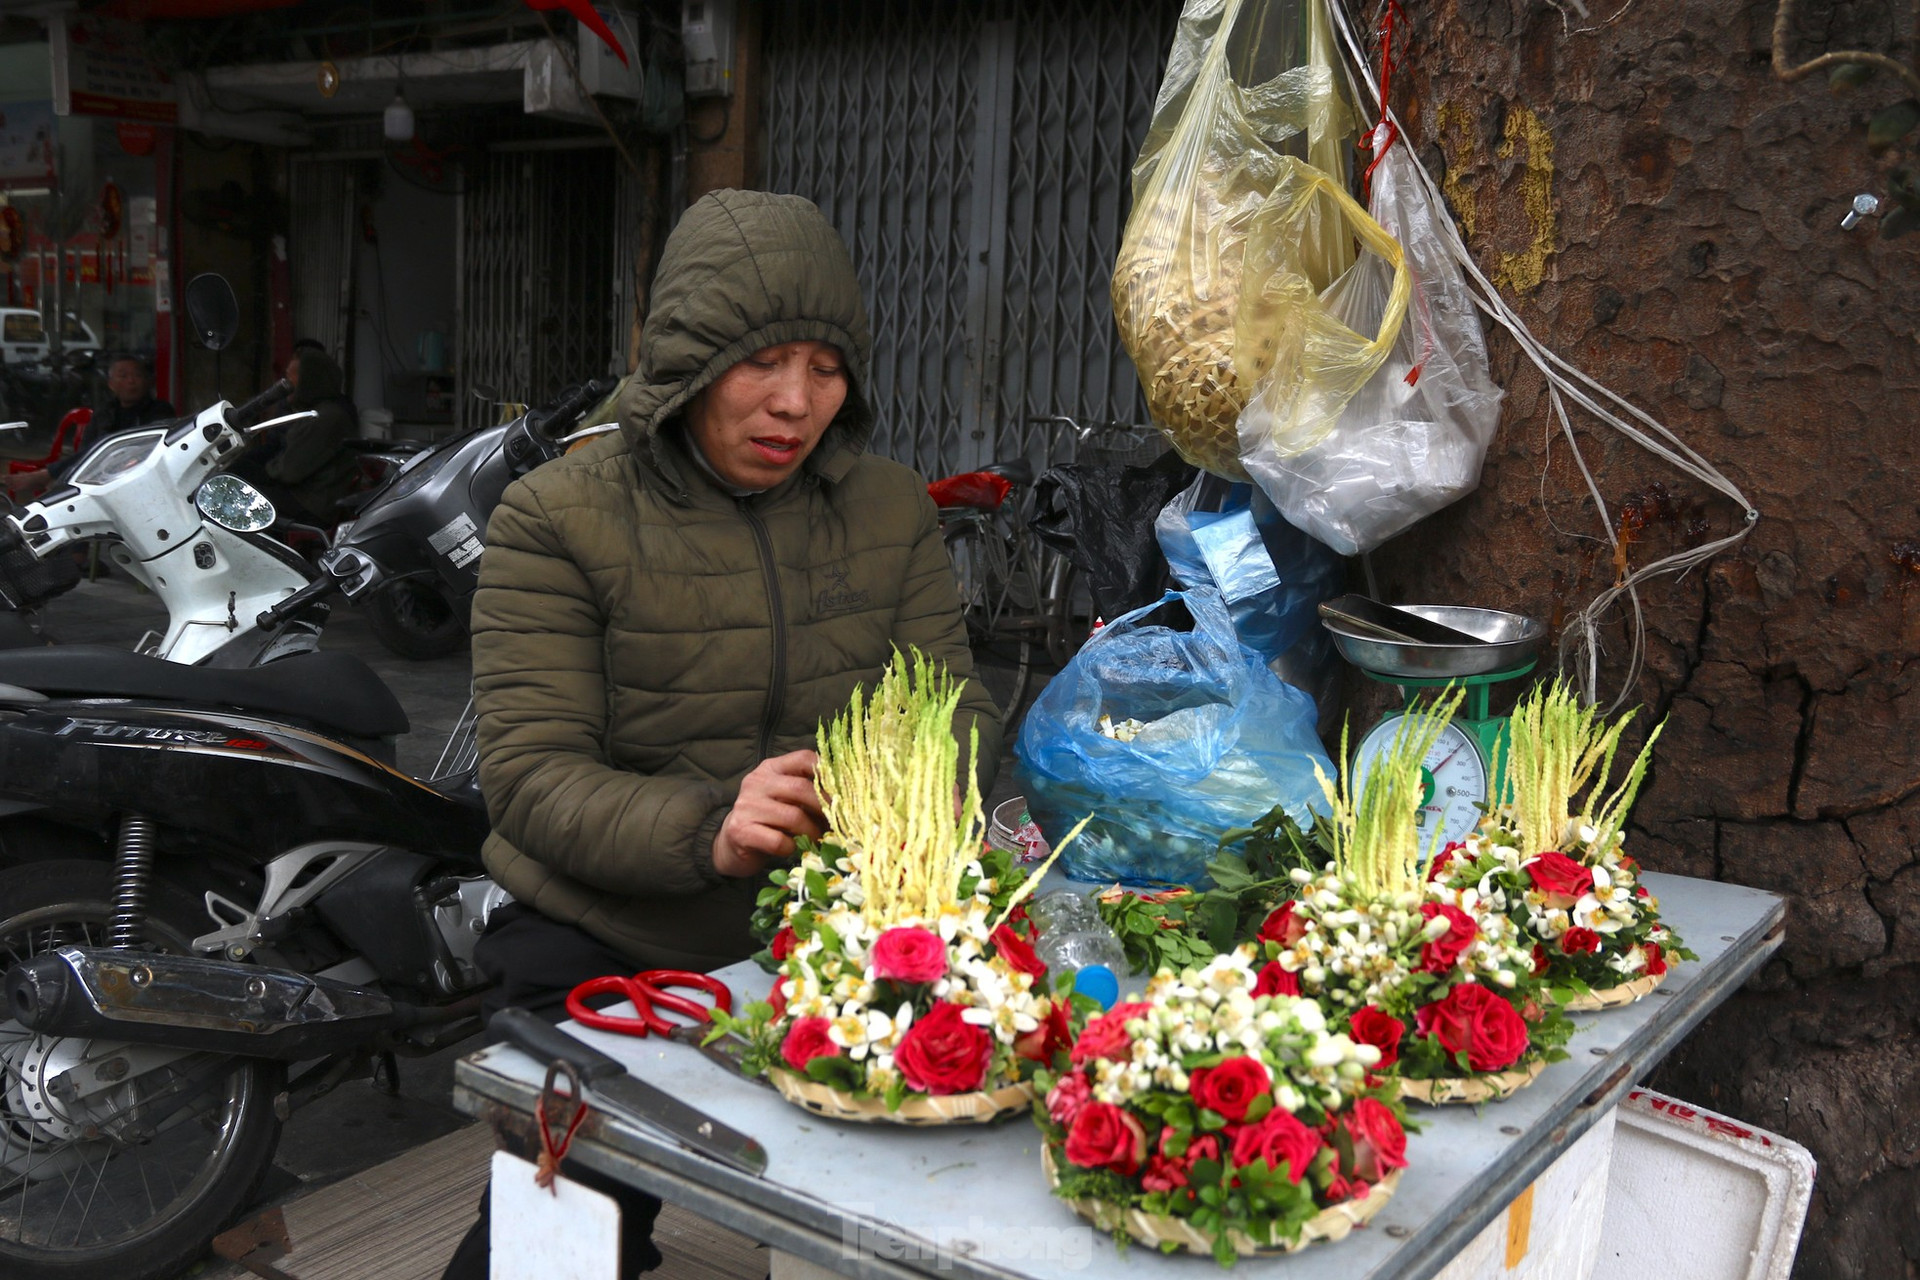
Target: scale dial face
1453, 779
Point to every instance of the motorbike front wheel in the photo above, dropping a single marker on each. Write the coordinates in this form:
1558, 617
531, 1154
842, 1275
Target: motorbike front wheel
131, 1181
414, 620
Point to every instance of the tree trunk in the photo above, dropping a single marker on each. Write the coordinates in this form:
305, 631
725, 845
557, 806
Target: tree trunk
1666, 213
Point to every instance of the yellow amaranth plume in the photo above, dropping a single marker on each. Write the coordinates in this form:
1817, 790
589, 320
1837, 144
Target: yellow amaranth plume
1376, 840
890, 787
1558, 748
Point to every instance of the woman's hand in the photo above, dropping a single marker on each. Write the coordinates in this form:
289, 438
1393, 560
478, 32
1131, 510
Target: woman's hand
777, 802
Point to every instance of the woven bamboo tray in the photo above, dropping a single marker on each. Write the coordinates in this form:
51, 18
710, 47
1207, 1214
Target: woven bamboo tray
917, 1109
1615, 997
1335, 1222
1472, 1089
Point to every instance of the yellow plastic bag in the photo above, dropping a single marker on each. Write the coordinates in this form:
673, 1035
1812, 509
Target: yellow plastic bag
1238, 226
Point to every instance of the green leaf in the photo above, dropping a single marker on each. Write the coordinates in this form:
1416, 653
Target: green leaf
1848, 76
1890, 124
816, 886
1258, 1108
1899, 222
836, 1070
1211, 1121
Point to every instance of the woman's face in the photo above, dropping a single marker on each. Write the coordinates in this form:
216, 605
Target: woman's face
759, 420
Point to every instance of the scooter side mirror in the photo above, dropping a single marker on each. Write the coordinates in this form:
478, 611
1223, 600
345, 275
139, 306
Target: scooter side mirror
213, 310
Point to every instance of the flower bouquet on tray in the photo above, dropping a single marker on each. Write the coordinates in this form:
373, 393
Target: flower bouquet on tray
1209, 1116
1429, 973
1557, 867
906, 989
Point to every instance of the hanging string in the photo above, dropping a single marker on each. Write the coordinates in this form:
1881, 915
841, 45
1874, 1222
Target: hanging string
1386, 131
1580, 642
552, 1151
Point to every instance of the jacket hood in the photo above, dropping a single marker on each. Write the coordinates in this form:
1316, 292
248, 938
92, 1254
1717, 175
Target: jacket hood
320, 379
742, 271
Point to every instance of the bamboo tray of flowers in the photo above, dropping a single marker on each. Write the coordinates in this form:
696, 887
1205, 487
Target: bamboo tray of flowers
1213, 1117
1551, 857
907, 991
1433, 975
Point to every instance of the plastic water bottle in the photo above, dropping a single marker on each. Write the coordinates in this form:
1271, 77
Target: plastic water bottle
1074, 939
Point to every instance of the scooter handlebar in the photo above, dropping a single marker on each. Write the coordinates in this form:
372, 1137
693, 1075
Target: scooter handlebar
261, 401
321, 587
567, 411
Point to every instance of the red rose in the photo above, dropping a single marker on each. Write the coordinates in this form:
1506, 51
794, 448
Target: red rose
1381, 1030
807, 1040
1231, 1087
1275, 981
1165, 1172
943, 1053
1047, 1039
1066, 1098
1443, 859
1279, 1139
909, 954
783, 942
1281, 927
1580, 942
1558, 876
1540, 960
1016, 951
1656, 960
778, 997
1444, 952
1475, 1020
1105, 1137
1379, 1143
1106, 1036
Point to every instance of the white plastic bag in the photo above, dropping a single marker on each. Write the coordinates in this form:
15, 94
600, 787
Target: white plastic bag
1413, 439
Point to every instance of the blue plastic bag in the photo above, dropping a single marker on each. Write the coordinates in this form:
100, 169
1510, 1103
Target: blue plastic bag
1272, 576
1222, 740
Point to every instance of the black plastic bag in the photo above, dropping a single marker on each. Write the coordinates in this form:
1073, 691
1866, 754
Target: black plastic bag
1100, 516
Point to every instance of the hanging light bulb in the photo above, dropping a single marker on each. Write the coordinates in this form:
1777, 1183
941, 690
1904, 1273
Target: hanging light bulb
397, 123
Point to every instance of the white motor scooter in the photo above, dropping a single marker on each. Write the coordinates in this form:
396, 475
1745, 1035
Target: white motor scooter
189, 534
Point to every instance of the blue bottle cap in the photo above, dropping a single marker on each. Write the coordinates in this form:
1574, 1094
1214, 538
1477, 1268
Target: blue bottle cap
1097, 982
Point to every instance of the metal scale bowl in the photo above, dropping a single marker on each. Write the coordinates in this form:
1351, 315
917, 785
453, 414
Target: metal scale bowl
1477, 648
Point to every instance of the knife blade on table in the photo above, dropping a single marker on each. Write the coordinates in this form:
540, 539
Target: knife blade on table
609, 1085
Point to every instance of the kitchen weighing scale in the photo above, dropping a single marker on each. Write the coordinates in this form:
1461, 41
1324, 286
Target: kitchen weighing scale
1475, 648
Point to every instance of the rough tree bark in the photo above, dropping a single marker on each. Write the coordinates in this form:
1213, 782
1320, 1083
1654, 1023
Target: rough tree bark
1663, 210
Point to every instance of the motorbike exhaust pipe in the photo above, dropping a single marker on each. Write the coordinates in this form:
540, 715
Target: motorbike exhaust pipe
190, 1002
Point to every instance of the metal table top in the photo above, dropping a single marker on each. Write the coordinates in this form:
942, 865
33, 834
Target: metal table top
881, 1201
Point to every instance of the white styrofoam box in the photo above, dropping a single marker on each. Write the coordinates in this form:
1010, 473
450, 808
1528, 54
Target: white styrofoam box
1696, 1194
1551, 1231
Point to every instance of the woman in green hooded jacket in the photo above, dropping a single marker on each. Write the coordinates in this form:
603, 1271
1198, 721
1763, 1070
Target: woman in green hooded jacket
665, 616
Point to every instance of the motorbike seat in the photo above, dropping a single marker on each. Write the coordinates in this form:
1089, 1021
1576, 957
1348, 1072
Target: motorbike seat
336, 690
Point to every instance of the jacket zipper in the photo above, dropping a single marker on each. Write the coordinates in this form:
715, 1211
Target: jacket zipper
777, 686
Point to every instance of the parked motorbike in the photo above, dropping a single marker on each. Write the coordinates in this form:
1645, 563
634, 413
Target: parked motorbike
194, 538
209, 874
411, 556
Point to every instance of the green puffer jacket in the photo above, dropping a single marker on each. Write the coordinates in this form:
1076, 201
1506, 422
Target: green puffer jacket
641, 639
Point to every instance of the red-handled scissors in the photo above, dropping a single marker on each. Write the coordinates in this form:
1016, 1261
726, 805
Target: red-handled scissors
652, 992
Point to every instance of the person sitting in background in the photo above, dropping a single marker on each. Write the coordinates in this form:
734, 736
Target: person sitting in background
133, 403
314, 467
